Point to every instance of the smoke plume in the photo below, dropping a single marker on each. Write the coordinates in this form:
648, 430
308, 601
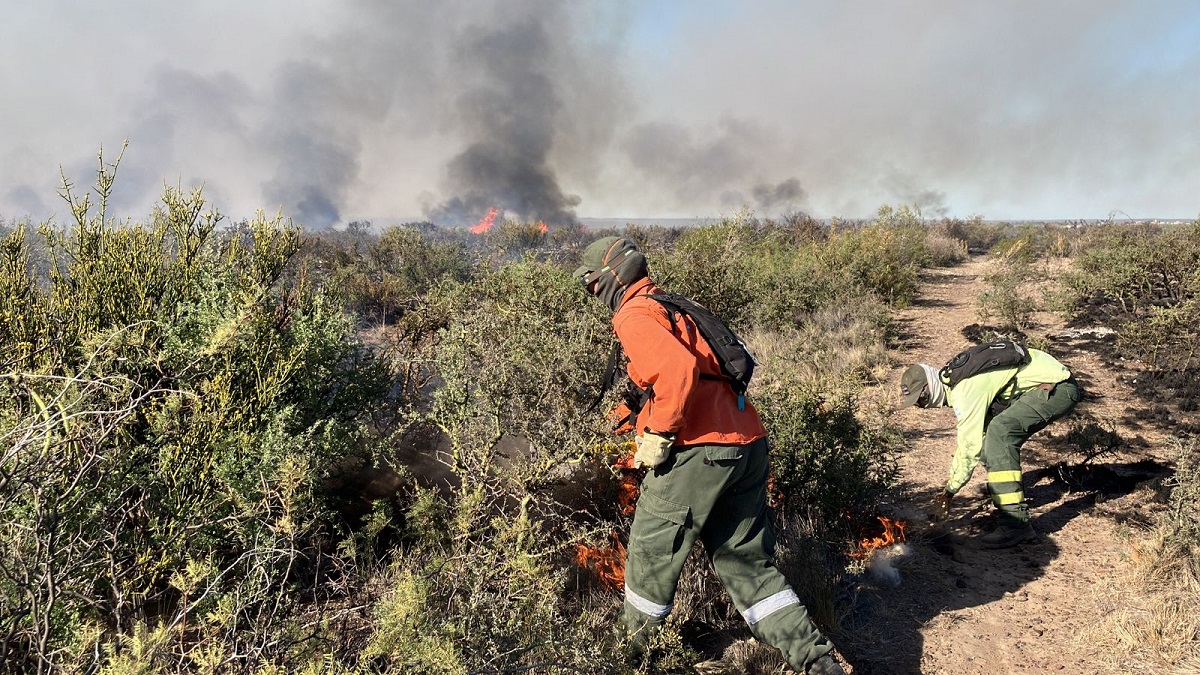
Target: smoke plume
381, 110
508, 113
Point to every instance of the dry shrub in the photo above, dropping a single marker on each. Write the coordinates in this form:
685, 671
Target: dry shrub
944, 249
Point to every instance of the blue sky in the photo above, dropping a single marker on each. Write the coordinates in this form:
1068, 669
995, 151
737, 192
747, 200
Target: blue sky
339, 110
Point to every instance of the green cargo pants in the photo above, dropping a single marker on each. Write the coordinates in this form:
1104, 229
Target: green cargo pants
1004, 435
717, 494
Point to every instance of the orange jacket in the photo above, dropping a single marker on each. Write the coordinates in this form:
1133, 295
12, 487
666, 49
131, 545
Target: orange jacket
673, 358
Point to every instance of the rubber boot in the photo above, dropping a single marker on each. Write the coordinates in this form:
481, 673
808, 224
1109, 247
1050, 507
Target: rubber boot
826, 666
1007, 534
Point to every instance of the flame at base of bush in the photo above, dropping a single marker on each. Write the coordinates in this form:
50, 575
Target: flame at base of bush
607, 563
892, 533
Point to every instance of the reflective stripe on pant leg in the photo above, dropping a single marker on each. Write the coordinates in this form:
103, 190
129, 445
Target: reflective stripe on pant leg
658, 546
1005, 487
1001, 455
647, 607
768, 606
739, 540
661, 537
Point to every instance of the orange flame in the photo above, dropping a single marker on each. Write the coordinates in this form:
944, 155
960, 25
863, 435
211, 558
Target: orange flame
627, 493
608, 563
542, 227
893, 533
485, 223
630, 486
774, 494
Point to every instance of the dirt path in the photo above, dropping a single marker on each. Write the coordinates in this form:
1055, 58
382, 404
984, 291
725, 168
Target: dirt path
1036, 608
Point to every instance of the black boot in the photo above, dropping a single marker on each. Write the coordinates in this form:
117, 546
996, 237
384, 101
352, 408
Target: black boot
1007, 534
825, 666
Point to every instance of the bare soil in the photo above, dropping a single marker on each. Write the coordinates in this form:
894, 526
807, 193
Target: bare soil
1036, 608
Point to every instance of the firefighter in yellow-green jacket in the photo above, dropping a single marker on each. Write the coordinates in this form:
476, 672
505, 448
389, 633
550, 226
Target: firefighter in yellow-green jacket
997, 411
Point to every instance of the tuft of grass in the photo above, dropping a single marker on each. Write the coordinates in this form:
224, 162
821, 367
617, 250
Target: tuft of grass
1156, 612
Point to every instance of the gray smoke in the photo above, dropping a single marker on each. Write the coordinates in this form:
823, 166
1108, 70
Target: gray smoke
374, 109
905, 189
313, 139
716, 162
784, 197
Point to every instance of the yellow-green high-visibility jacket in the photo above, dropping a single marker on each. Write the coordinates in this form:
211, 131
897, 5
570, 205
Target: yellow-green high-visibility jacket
971, 398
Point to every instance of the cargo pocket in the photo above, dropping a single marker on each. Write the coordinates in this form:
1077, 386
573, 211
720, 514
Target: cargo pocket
659, 526
723, 453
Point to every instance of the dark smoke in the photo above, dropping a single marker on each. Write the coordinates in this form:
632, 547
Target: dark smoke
772, 199
509, 114
314, 141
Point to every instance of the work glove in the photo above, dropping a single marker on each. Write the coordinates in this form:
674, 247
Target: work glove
652, 449
941, 505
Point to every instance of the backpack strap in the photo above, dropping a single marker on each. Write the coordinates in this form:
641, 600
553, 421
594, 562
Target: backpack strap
666, 301
609, 380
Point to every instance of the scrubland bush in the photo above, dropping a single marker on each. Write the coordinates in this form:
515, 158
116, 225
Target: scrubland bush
944, 249
1009, 296
769, 275
170, 415
383, 277
492, 586
1143, 279
652, 239
978, 236
824, 458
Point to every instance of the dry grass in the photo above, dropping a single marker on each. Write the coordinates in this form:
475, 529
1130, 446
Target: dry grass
834, 344
1155, 611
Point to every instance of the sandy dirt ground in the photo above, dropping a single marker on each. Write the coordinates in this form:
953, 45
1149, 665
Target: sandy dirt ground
1035, 608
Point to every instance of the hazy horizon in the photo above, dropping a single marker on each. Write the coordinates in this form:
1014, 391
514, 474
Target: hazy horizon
340, 111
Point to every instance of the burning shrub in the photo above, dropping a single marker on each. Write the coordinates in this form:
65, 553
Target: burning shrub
496, 589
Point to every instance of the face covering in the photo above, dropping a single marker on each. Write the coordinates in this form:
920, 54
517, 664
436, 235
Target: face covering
623, 264
937, 390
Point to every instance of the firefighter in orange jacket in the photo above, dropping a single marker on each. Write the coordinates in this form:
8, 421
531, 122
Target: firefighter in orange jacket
708, 465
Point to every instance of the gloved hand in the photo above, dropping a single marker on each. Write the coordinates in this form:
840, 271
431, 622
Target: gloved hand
652, 449
941, 505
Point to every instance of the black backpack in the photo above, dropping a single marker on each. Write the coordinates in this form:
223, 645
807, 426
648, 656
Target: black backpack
983, 358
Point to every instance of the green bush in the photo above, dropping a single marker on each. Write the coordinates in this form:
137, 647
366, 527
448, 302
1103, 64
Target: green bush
1008, 296
383, 277
1145, 280
495, 591
171, 415
825, 460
